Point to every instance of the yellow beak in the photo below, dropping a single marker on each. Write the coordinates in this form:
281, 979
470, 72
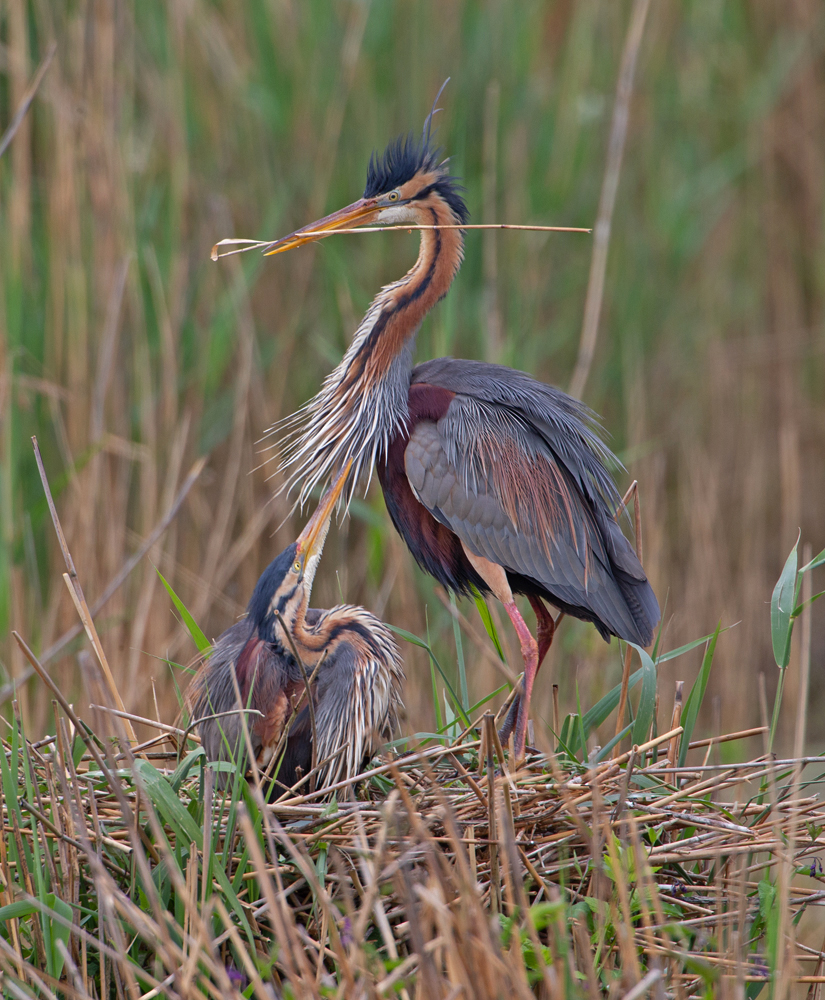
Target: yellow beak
359, 211
311, 540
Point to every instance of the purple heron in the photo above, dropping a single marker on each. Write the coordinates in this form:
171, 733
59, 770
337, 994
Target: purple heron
494, 480
355, 693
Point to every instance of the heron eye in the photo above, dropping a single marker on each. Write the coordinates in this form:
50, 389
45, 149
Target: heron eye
296, 568
392, 196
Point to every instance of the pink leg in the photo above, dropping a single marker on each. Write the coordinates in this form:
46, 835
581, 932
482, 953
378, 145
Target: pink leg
545, 627
530, 654
545, 630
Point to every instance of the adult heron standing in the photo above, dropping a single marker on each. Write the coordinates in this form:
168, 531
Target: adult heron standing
493, 479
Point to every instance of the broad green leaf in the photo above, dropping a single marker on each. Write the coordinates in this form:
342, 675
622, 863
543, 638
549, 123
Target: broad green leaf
696, 696
673, 653
604, 753
435, 665
175, 814
782, 605
797, 611
60, 930
14, 911
769, 911
408, 636
647, 700
814, 563
602, 709
489, 624
566, 737
183, 768
198, 637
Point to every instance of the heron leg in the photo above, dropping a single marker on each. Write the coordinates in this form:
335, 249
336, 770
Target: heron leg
530, 654
495, 576
545, 630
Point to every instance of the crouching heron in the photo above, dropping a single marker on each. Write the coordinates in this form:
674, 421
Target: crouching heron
252, 672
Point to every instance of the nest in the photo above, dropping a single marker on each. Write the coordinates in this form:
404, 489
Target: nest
441, 872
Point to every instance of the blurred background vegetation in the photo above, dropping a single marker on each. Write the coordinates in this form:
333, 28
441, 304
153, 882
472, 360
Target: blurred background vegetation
164, 125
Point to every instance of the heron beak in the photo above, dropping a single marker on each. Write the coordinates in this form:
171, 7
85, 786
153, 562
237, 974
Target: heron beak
358, 211
311, 540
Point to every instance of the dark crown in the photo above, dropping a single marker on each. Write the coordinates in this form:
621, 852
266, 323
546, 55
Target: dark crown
270, 582
402, 160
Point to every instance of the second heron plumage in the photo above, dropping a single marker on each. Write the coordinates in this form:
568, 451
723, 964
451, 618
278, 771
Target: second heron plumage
261, 667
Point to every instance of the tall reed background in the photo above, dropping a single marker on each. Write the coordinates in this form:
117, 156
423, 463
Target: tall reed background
161, 127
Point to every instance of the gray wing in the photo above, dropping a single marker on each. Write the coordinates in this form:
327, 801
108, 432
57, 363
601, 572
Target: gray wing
525, 456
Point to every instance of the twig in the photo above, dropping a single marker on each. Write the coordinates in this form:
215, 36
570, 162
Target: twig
27, 99
674, 722
643, 985
139, 718
607, 201
76, 592
7, 691
265, 244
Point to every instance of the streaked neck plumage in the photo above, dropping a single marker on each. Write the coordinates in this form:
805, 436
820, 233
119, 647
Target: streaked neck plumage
363, 402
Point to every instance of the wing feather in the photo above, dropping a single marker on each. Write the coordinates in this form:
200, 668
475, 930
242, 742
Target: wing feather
508, 481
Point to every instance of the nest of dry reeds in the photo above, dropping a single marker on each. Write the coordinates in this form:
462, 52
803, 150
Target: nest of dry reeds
442, 872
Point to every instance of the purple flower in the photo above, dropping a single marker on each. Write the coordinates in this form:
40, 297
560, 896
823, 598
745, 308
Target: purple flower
346, 932
237, 978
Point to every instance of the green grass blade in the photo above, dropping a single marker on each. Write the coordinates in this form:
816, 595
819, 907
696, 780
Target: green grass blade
459, 652
673, 653
408, 636
647, 700
198, 637
480, 704
439, 724
660, 631
609, 703
696, 696
578, 726
489, 624
782, 605
814, 563
58, 930
604, 753
797, 611
564, 735
175, 814
435, 665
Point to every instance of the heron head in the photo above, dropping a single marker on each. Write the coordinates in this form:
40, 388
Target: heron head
403, 185
285, 586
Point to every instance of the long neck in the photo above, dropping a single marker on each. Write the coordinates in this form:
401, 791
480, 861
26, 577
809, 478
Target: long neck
363, 402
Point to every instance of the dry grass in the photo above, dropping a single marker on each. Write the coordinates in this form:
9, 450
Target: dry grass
441, 873
161, 127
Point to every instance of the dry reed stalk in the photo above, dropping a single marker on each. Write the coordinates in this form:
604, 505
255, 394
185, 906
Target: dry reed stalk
434, 923
674, 722
607, 201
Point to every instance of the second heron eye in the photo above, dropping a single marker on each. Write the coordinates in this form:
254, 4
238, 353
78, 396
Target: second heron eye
392, 196
297, 567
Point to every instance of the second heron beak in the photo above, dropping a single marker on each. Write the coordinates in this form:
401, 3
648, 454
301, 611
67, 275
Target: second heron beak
311, 540
363, 210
